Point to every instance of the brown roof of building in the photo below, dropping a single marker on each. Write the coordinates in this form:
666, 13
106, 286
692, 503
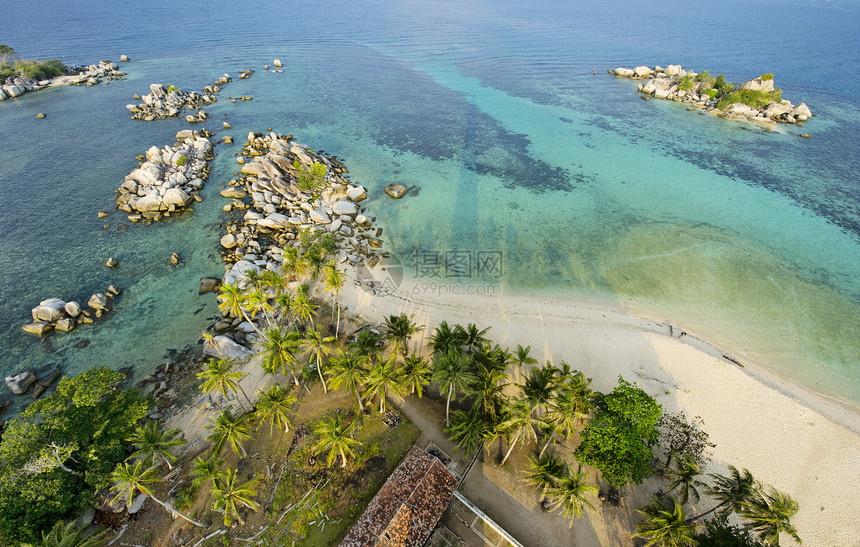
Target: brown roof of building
408, 506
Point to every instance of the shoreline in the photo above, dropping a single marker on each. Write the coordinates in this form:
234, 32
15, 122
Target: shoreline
755, 418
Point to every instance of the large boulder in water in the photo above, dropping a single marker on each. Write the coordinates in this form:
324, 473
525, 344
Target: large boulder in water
20, 383
49, 310
176, 197
395, 190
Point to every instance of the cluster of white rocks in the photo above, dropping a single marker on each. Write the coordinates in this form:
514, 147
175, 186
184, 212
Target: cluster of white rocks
15, 86
280, 210
169, 180
166, 102
105, 71
57, 314
664, 83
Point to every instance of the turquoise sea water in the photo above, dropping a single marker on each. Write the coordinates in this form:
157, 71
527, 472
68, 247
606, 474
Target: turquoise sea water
749, 239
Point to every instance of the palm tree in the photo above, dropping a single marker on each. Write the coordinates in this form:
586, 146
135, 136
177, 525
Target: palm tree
519, 424
398, 329
768, 514
416, 374
284, 303
275, 405
665, 524
522, 357
253, 277
231, 298
219, 376
256, 301
732, 492
303, 306
68, 535
488, 390
319, 346
207, 469
278, 352
334, 280
294, 263
315, 257
227, 427
229, 496
545, 471
129, 480
154, 444
684, 479
271, 279
472, 337
450, 370
540, 386
367, 343
570, 406
349, 369
568, 493
335, 439
468, 429
445, 339
382, 378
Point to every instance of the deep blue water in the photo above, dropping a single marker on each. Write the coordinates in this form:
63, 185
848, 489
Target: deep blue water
750, 239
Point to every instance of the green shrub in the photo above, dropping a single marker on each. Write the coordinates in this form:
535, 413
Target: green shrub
686, 83
181, 160
39, 70
310, 178
171, 88
767, 77
750, 97
711, 93
186, 496
706, 79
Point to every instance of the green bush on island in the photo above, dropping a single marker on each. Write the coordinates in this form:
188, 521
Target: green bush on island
61, 450
767, 77
310, 178
10, 65
706, 79
180, 161
686, 83
749, 97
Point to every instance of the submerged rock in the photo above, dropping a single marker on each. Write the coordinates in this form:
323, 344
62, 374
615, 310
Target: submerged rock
395, 190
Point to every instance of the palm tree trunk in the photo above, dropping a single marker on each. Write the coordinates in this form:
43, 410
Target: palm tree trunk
337, 325
510, 449
343, 457
242, 406
448, 406
319, 370
248, 319
708, 512
551, 437
358, 395
173, 511
246, 395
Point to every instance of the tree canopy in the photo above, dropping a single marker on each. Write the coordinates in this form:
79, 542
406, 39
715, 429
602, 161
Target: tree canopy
619, 437
62, 449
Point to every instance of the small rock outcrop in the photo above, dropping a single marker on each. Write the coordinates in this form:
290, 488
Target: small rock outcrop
762, 103
56, 314
396, 190
92, 75
169, 180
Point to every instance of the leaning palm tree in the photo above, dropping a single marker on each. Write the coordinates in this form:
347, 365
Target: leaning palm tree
130, 480
732, 492
569, 492
295, 265
522, 357
349, 369
398, 329
665, 524
468, 429
258, 301
334, 280
279, 352
416, 374
208, 469
683, 479
219, 376
303, 306
229, 496
227, 427
768, 513
154, 444
319, 346
283, 304
545, 471
275, 406
450, 370
382, 378
335, 440
231, 299
519, 425
270, 279
68, 535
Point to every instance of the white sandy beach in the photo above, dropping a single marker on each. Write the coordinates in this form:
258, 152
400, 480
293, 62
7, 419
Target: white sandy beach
799, 442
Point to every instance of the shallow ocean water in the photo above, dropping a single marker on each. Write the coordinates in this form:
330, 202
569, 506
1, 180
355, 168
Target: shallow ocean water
746, 238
